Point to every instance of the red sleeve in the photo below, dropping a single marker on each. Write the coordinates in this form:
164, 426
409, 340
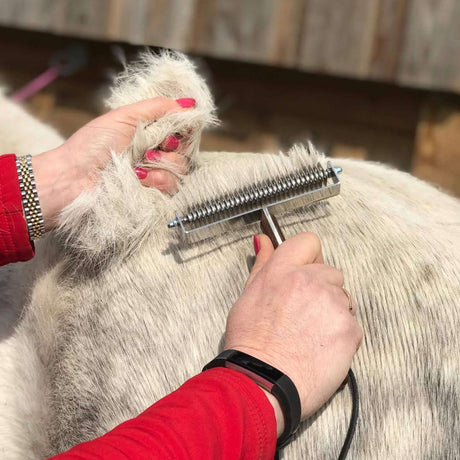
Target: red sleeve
219, 414
15, 245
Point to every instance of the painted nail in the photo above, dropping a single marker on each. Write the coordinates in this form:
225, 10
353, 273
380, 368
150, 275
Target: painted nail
153, 155
186, 102
256, 244
141, 173
171, 143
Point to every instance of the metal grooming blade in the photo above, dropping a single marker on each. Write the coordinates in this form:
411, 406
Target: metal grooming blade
311, 183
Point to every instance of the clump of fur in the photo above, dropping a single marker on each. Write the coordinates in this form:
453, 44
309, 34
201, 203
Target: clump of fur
119, 204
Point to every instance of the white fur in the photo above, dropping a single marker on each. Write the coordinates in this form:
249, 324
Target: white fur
122, 310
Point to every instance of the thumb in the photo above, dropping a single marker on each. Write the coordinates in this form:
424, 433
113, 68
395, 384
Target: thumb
265, 252
147, 109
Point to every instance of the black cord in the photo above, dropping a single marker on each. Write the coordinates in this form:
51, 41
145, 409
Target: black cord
353, 420
354, 415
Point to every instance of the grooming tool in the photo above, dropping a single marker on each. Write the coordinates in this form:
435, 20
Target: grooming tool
312, 184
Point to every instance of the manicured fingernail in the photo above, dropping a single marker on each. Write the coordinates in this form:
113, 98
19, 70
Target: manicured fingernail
256, 244
186, 102
153, 155
141, 173
171, 143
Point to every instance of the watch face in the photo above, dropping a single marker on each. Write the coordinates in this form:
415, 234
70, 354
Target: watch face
259, 379
269, 373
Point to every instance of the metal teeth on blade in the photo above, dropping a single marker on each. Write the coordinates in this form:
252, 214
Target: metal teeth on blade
255, 193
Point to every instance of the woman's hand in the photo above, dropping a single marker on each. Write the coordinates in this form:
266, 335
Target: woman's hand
63, 173
294, 315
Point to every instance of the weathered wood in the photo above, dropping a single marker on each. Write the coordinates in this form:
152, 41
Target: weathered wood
163, 23
437, 146
251, 30
431, 49
387, 39
337, 36
414, 42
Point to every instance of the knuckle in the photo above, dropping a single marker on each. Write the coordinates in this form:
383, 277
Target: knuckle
162, 178
314, 238
317, 290
181, 162
313, 241
160, 100
297, 281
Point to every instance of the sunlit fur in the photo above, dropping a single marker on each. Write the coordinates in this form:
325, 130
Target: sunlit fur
119, 310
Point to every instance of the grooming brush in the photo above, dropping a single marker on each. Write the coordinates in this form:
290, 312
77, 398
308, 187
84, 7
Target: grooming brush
313, 184
310, 183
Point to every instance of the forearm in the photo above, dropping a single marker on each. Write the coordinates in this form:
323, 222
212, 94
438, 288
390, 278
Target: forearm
218, 414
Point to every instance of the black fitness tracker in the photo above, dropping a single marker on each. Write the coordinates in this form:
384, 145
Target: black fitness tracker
272, 380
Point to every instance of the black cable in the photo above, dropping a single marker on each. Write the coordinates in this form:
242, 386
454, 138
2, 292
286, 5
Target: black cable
353, 419
354, 415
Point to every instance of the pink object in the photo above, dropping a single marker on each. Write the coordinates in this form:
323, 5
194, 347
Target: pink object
35, 85
171, 143
153, 155
141, 173
186, 102
256, 244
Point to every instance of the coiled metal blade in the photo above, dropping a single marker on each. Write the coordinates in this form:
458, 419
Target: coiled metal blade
311, 183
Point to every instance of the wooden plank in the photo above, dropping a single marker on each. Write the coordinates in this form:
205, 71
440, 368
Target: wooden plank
36, 15
162, 23
250, 30
437, 146
337, 36
85, 18
387, 39
430, 55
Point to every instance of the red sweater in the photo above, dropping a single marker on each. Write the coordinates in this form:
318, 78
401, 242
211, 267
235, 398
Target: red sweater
218, 414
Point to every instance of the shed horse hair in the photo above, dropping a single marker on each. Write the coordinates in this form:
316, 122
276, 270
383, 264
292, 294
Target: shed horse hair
116, 311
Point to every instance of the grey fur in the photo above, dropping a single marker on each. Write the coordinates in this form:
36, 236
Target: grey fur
120, 310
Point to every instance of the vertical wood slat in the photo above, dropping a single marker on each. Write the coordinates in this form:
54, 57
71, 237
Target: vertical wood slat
337, 36
437, 145
251, 30
431, 51
37, 15
84, 18
163, 23
388, 39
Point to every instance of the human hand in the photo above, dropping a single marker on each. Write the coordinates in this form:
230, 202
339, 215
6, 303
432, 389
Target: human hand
63, 173
294, 315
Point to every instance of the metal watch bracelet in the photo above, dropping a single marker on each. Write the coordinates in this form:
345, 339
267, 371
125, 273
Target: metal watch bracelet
29, 196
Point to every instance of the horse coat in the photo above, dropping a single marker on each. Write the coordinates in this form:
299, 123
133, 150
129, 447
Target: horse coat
116, 310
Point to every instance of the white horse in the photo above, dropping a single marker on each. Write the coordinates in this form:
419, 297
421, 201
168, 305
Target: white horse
116, 310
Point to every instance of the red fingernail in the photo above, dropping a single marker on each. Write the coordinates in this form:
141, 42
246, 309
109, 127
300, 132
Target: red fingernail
141, 173
256, 244
171, 143
186, 102
153, 155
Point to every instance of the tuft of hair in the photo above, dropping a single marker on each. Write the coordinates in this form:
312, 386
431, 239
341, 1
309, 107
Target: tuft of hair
111, 220
172, 75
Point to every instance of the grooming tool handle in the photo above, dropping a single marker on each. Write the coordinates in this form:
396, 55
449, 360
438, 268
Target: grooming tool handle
271, 228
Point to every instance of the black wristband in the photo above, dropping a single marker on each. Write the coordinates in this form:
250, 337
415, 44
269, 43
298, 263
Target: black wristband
272, 380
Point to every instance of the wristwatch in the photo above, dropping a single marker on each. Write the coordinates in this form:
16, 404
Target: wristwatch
272, 380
